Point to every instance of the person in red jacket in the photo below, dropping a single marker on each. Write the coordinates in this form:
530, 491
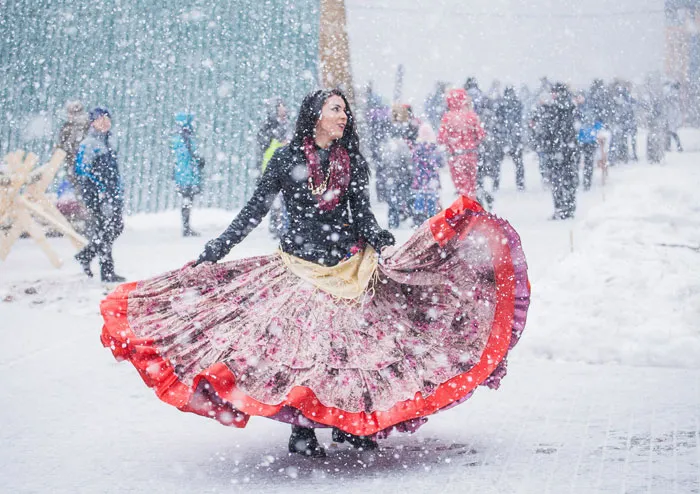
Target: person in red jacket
461, 133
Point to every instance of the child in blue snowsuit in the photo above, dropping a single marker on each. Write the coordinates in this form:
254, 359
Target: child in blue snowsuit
188, 168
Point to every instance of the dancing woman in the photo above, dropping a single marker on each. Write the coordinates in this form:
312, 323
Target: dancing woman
337, 329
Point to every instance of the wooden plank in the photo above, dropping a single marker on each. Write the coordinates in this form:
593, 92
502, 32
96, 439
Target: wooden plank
42, 206
56, 220
17, 205
26, 223
46, 173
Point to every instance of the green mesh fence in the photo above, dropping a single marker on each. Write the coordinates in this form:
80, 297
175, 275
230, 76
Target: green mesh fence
147, 60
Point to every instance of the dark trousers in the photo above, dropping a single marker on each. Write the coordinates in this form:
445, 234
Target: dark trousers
564, 177
588, 150
516, 154
673, 136
619, 152
187, 194
395, 200
104, 226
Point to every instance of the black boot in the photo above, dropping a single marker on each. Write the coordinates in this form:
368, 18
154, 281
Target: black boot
303, 441
364, 443
107, 270
85, 257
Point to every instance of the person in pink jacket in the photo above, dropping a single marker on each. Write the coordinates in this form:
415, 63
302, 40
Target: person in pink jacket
461, 133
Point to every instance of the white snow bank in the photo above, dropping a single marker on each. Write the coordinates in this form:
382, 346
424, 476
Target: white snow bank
630, 291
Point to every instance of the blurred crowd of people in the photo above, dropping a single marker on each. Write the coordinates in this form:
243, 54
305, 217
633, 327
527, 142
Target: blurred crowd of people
470, 130
473, 131
93, 181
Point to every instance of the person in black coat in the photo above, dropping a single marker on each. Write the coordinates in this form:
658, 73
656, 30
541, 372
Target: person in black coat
491, 153
560, 145
509, 113
101, 188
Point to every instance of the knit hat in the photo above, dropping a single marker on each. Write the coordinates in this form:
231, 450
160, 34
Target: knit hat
99, 112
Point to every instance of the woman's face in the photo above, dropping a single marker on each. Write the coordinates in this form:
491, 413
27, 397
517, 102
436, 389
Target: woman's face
333, 118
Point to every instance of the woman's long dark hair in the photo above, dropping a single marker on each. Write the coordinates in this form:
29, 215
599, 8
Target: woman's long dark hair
310, 112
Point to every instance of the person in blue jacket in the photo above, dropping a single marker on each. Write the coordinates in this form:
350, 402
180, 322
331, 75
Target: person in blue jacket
98, 176
188, 167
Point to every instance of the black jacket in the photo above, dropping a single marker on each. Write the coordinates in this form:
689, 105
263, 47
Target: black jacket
509, 113
96, 168
559, 128
321, 237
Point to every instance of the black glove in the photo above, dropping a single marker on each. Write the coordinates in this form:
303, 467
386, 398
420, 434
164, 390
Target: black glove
383, 239
213, 251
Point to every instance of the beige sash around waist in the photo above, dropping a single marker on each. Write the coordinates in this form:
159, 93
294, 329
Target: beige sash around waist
348, 279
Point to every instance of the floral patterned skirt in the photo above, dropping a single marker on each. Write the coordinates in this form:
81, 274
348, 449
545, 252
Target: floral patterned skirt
249, 337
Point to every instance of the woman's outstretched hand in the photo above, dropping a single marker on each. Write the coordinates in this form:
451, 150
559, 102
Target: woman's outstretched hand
212, 252
384, 239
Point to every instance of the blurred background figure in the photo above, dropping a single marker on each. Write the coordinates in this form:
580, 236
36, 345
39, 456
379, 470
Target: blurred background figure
188, 168
461, 133
427, 161
274, 134
629, 121
509, 115
619, 151
490, 155
675, 115
397, 159
538, 136
657, 118
471, 86
590, 127
560, 145
97, 171
378, 122
435, 105
71, 134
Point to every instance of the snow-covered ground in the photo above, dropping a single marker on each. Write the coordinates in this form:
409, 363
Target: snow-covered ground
602, 396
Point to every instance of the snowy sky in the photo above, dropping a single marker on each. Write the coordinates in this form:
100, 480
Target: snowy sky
514, 41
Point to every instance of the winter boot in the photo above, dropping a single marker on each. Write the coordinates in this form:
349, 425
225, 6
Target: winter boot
303, 441
107, 270
364, 443
85, 257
